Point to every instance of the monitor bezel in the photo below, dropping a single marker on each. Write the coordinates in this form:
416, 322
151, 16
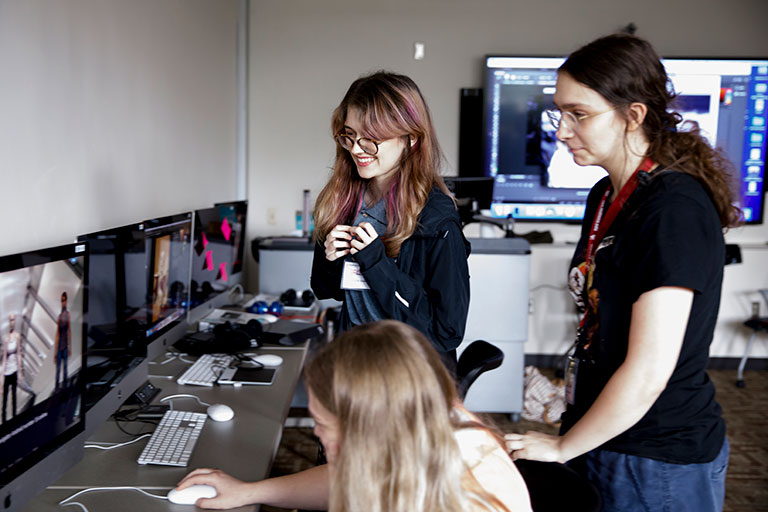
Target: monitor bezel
49, 461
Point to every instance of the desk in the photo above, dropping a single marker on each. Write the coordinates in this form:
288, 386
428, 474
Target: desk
243, 447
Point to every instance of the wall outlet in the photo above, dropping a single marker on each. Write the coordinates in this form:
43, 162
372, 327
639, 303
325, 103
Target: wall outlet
271, 216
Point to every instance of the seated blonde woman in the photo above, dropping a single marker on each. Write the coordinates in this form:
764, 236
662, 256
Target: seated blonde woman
395, 434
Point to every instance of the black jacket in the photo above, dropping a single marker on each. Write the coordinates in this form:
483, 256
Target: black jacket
427, 286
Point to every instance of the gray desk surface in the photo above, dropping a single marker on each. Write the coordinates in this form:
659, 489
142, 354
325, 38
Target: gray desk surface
243, 447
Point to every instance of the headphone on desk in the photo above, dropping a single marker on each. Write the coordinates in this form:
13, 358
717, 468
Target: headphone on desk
292, 298
261, 307
233, 337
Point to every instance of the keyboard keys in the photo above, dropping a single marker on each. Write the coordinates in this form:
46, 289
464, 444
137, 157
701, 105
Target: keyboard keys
206, 370
173, 441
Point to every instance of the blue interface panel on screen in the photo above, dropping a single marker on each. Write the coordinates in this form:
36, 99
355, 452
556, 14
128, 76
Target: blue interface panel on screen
535, 177
43, 309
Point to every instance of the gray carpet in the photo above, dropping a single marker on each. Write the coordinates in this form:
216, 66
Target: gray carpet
744, 410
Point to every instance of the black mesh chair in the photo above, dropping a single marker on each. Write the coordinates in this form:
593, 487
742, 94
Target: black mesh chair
478, 358
556, 487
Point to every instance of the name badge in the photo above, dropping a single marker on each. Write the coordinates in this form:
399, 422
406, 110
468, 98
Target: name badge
352, 278
571, 373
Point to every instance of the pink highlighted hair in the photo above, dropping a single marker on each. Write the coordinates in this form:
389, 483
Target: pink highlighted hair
391, 105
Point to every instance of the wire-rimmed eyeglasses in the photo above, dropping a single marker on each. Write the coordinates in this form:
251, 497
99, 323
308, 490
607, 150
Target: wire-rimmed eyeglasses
572, 121
369, 146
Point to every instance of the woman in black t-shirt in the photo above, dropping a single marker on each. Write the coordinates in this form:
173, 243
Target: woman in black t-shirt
642, 422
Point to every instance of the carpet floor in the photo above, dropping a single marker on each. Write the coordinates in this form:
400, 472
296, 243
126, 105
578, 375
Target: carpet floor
744, 410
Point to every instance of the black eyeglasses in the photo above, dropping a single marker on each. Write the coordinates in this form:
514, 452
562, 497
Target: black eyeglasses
368, 146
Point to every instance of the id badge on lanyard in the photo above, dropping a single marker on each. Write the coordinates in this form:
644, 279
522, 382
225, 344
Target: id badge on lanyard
352, 278
571, 373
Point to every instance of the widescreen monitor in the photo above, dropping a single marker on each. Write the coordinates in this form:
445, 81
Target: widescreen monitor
535, 177
116, 351
43, 311
168, 242
217, 254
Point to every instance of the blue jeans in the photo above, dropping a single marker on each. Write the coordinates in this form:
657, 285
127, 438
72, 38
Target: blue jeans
629, 483
61, 367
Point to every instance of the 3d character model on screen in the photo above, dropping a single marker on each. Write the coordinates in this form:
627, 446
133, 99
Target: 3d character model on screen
160, 285
12, 368
63, 345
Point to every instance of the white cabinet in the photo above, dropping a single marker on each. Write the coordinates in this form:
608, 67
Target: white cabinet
499, 270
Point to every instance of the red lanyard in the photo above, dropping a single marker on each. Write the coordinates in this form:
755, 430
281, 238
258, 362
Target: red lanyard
600, 225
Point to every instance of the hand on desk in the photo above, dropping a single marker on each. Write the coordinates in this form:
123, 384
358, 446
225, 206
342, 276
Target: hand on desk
231, 491
535, 446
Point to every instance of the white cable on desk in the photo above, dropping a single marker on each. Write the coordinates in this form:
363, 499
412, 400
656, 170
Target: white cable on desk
64, 503
171, 397
110, 446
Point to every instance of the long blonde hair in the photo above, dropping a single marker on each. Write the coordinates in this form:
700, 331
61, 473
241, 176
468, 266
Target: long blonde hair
391, 106
395, 403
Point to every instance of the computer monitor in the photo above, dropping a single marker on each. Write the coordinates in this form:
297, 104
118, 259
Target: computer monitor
472, 194
43, 310
116, 352
728, 97
217, 256
168, 245
535, 175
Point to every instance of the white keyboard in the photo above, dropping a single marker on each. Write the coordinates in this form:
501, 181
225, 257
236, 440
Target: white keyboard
174, 438
206, 370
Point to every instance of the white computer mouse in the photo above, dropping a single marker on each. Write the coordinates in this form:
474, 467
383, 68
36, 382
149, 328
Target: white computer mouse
268, 359
266, 318
220, 412
191, 494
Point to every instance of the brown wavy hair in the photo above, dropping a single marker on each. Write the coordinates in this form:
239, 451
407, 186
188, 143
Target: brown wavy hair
396, 406
391, 106
625, 69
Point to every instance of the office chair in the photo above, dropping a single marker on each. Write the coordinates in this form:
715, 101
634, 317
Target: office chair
757, 323
556, 487
478, 358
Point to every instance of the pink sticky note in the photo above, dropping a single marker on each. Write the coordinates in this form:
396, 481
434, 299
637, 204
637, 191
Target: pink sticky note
205, 241
226, 230
223, 272
209, 260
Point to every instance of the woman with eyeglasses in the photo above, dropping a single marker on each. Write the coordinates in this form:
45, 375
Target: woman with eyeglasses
642, 422
389, 243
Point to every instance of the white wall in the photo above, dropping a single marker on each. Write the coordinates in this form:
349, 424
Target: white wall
304, 54
111, 112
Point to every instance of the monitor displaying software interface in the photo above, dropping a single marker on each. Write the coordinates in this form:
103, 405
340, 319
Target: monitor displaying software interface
218, 248
535, 177
43, 308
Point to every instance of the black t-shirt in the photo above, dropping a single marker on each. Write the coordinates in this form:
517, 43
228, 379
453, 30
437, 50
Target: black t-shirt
667, 234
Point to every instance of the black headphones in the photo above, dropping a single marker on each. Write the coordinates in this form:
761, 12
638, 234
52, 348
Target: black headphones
298, 300
232, 337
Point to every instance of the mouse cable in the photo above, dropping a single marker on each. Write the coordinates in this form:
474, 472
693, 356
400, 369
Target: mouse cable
183, 395
110, 446
248, 358
64, 503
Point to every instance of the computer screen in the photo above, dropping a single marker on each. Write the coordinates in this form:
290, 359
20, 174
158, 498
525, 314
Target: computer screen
217, 255
167, 248
116, 349
727, 97
43, 310
535, 177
